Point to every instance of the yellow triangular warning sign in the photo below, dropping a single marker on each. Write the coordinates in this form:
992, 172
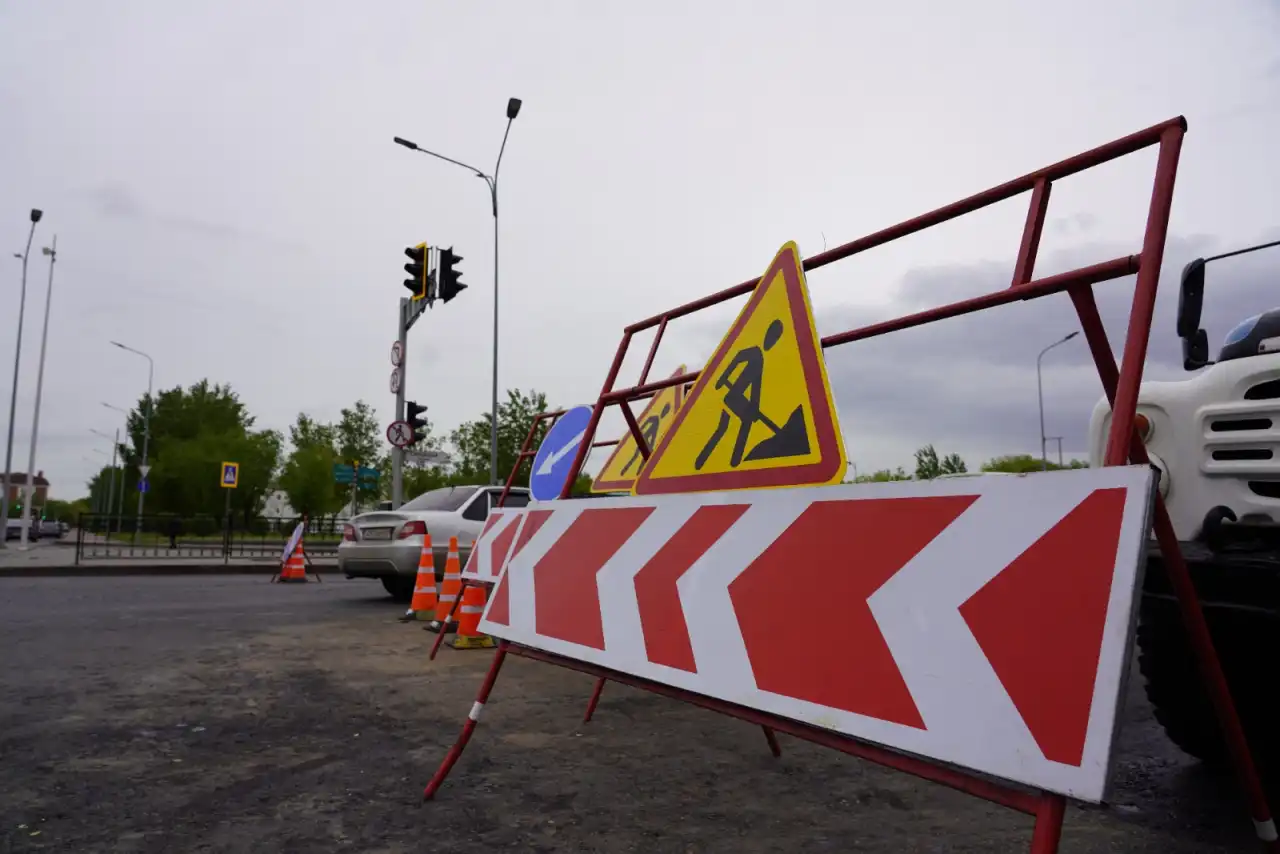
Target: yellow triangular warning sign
761, 412
624, 464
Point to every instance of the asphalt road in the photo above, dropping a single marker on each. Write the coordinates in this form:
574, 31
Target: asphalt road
229, 714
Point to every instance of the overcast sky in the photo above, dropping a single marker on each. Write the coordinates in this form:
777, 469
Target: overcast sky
227, 198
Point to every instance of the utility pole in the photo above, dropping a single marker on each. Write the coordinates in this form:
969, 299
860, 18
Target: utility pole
35, 419
36, 215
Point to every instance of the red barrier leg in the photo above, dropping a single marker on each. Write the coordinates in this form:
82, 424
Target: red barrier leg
451, 758
594, 701
1048, 830
772, 737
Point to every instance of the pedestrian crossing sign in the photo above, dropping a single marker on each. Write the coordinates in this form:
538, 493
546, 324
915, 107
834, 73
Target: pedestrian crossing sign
230, 475
623, 466
761, 413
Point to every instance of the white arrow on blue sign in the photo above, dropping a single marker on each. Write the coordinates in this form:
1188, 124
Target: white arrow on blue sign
554, 463
143, 486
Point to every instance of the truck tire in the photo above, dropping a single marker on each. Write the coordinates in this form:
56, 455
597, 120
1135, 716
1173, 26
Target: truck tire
399, 586
1244, 642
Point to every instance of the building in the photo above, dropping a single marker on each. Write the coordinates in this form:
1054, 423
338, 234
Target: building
18, 482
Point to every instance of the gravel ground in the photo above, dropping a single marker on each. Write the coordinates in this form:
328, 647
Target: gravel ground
227, 714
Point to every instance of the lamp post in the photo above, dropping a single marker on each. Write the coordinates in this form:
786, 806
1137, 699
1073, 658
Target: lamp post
111, 490
143, 468
29, 490
1044, 458
513, 110
13, 395
120, 500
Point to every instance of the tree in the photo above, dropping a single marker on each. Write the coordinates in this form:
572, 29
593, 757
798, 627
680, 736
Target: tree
307, 478
928, 466
193, 431
1023, 463
471, 439
357, 437
306, 431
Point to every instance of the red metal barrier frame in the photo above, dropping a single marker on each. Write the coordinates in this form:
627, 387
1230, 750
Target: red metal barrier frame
1123, 445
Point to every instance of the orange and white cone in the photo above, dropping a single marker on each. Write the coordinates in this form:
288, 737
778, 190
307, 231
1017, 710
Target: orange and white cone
450, 587
294, 569
423, 605
469, 611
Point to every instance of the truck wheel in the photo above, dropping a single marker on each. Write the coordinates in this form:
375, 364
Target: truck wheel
400, 588
1179, 700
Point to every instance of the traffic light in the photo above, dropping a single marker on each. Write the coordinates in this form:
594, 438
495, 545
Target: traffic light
450, 276
415, 415
417, 270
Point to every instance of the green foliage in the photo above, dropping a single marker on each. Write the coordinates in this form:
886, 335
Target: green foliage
307, 478
1022, 463
357, 437
66, 511
318, 447
883, 476
471, 439
929, 466
193, 431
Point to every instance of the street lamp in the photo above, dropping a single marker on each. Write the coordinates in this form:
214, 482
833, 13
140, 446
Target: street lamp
52, 254
143, 468
13, 395
111, 489
513, 110
1044, 458
120, 501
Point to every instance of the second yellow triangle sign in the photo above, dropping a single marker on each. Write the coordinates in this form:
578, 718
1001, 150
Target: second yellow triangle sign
761, 413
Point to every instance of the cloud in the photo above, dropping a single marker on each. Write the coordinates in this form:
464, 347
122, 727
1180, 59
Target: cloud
968, 384
118, 202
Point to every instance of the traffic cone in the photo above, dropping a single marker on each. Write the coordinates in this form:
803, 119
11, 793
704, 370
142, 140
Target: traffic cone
424, 587
469, 611
449, 590
294, 569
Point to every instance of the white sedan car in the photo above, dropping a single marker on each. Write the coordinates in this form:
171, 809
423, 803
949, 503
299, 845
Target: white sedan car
386, 544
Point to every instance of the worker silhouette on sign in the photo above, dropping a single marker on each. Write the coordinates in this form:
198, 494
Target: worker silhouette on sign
649, 430
742, 401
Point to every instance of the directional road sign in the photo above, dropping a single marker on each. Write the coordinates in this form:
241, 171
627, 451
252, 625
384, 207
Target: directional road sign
554, 462
143, 486
397, 354
400, 434
991, 615
761, 412
230, 475
427, 457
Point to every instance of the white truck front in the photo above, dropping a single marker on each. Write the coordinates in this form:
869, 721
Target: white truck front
1215, 437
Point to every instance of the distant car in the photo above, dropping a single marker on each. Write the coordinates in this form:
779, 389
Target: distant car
386, 544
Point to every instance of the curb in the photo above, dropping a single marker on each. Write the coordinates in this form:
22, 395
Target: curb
144, 570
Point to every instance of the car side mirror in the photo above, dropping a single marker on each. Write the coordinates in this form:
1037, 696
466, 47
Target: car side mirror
1195, 351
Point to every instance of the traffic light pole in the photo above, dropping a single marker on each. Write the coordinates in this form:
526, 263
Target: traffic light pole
397, 454
410, 311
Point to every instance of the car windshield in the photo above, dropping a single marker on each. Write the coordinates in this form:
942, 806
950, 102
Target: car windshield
446, 498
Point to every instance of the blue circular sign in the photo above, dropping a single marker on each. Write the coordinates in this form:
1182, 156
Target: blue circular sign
552, 467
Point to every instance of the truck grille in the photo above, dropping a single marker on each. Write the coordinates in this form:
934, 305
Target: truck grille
1269, 390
